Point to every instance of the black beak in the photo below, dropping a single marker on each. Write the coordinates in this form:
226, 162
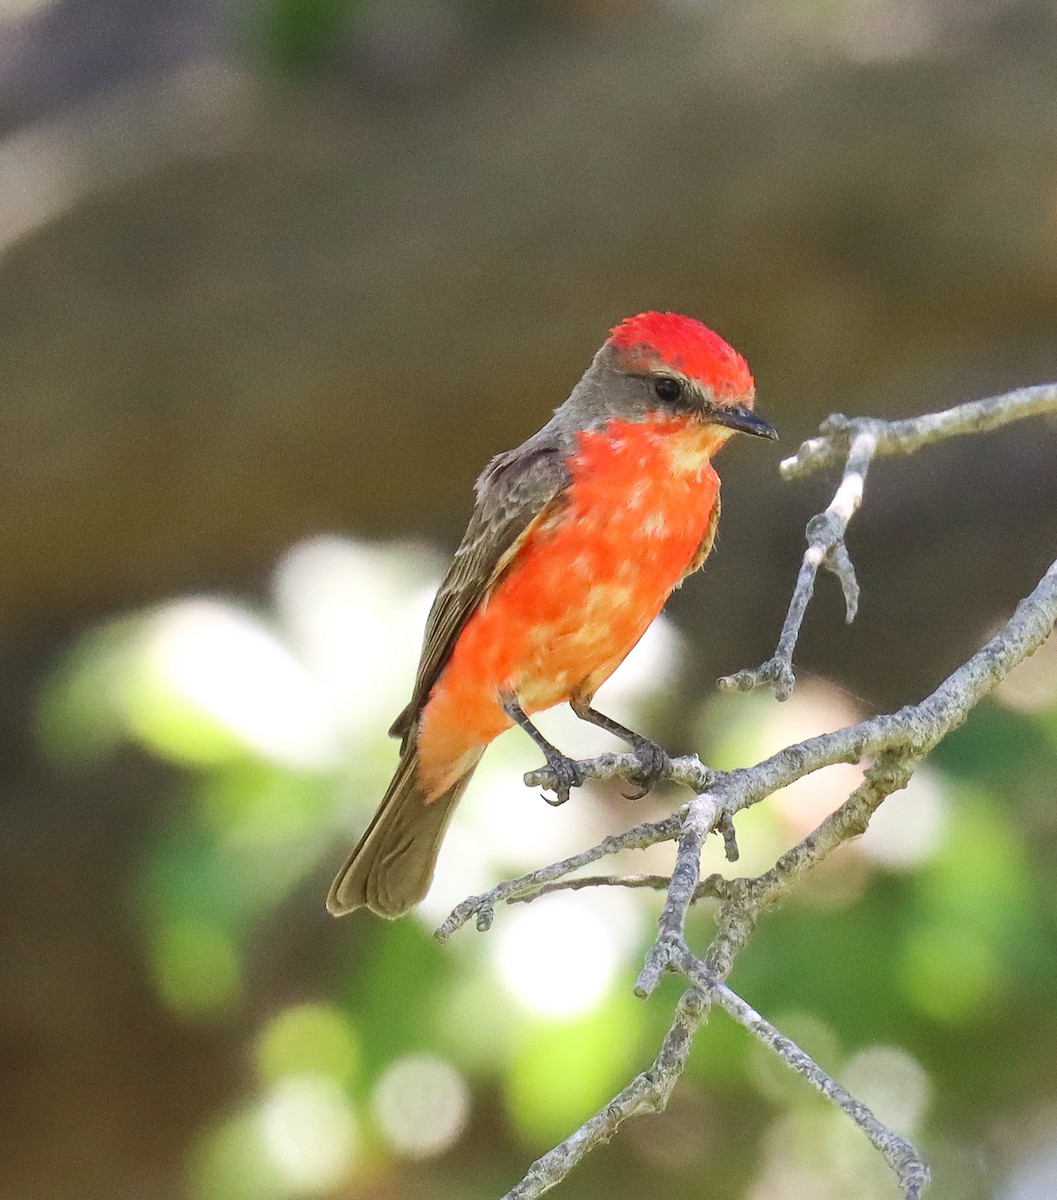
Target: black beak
744, 420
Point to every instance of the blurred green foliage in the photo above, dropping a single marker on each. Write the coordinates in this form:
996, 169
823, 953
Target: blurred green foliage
300, 35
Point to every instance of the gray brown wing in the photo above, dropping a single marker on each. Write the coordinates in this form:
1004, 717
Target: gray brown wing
515, 491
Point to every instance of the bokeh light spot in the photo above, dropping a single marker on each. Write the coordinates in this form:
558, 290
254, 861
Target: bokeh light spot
81, 711
354, 614
196, 967
891, 1082
1034, 1175
948, 973
560, 955
230, 1162
16, 10
563, 1072
212, 683
908, 828
309, 1132
308, 1039
421, 1104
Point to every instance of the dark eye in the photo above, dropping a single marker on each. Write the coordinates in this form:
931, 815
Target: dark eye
667, 389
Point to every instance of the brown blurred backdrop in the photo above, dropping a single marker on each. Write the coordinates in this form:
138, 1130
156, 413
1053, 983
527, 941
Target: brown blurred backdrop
270, 269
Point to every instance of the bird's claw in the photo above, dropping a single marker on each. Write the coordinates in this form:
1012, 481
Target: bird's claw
654, 763
567, 775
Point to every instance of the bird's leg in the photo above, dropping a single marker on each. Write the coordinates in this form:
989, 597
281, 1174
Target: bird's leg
566, 772
654, 758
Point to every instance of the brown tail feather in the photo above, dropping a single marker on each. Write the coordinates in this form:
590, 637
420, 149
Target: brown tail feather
392, 866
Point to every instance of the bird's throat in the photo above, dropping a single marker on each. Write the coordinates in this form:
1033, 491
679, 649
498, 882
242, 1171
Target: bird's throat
659, 451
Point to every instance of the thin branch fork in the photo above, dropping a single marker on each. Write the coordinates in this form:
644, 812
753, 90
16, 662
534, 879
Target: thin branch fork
825, 548
895, 742
856, 442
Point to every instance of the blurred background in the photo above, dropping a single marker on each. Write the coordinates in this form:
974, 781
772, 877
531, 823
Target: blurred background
277, 277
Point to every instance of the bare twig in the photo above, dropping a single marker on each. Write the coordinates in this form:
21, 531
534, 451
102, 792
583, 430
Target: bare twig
825, 548
856, 442
714, 886
689, 771
906, 436
895, 742
526, 886
702, 816
648, 1092
909, 1167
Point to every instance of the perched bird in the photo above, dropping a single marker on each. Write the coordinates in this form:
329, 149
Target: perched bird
577, 539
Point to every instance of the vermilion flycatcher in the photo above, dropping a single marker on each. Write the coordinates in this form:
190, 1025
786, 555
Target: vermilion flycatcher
577, 539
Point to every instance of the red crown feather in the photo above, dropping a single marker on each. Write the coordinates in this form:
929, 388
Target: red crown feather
653, 339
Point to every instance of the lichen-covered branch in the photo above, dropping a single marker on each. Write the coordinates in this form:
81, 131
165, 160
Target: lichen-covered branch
895, 743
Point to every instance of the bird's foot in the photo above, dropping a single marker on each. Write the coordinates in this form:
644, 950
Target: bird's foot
654, 763
567, 775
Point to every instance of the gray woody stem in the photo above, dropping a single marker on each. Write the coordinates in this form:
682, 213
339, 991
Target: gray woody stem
856, 442
895, 742
901, 1156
